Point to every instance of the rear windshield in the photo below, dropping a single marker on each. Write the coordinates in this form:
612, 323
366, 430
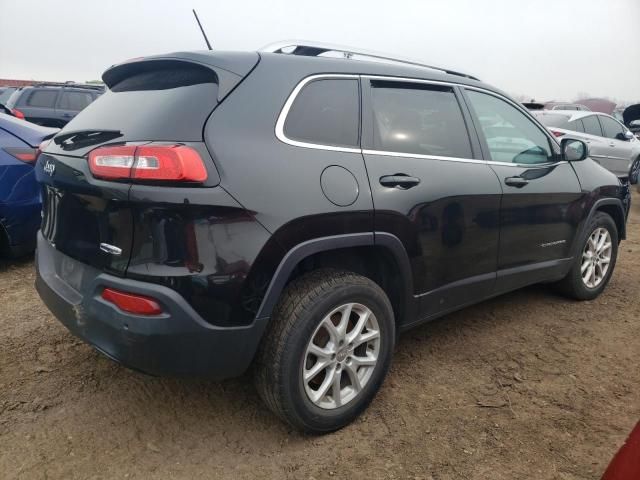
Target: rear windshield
554, 120
159, 103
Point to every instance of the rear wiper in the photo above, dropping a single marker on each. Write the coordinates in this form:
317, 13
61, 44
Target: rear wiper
85, 138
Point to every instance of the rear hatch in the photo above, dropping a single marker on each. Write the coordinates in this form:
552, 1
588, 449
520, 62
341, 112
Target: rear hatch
151, 119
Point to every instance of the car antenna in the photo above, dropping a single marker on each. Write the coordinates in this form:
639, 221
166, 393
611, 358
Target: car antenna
202, 29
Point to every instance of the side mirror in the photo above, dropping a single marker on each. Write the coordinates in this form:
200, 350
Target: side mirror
574, 150
626, 135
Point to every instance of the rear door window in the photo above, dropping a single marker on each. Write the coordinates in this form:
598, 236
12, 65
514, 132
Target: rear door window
611, 128
326, 112
592, 125
75, 101
418, 119
42, 98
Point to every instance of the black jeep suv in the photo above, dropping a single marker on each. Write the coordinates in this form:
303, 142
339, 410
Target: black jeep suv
294, 212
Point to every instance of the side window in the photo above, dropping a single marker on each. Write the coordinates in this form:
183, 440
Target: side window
74, 100
42, 98
418, 118
576, 126
511, 136
610, 127
592, 125
326, 112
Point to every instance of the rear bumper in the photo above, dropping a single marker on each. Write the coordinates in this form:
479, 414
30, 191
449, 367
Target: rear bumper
177, 342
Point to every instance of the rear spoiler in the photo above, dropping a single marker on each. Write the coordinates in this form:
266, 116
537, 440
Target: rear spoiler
229, 67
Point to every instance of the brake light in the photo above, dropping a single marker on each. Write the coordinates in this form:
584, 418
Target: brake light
27, 155
17, 113
556, 133
131, 302
148, 162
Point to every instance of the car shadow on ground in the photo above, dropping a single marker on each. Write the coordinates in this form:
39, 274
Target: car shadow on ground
205, 407
8, 262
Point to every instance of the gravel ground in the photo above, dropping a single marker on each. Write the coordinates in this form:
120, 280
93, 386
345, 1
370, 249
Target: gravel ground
528, 385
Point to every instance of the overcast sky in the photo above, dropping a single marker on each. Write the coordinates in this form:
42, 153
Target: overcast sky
547, 49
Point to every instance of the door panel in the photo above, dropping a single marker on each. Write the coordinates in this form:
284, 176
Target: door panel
619, 150
446, 215
541, 201
538, 220
448, 224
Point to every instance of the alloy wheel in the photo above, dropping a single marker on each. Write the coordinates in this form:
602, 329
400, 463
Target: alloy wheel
341, 356
596, 258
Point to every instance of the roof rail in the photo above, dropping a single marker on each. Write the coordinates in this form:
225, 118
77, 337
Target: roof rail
315, 49
68, 84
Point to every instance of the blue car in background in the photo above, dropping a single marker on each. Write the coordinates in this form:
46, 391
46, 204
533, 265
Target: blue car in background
19, 193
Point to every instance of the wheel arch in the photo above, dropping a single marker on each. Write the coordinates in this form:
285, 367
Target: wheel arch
611, 206
614, 208
379, 256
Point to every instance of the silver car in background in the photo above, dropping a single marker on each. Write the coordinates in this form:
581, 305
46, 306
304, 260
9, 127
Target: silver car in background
611, 144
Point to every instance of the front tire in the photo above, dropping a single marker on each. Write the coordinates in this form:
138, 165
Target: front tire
594, 264
327, 351
634, 171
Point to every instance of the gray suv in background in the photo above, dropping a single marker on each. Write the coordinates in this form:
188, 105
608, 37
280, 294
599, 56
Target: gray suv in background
611, 144
52, 104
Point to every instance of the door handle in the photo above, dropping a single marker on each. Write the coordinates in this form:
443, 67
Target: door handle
517, 182
399, 180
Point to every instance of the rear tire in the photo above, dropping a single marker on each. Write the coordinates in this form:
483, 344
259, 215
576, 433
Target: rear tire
595, 261
325, 322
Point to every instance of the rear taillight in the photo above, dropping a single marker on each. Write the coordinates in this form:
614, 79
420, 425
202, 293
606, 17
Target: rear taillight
17, 113
177, 163
557, 133
27, 155
131, 302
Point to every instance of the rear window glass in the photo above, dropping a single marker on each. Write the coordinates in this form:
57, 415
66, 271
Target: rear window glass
164, 79
6, 93
42, 98
74, 100
326, 112
425, 120
164, 103
554, 120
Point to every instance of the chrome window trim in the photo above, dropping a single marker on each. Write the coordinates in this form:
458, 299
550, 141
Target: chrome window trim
282, 118
418, 155
461, 160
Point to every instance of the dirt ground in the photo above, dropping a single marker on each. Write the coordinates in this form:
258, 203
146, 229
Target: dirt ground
528, 385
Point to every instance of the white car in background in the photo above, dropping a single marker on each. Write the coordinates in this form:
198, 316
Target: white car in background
611, 144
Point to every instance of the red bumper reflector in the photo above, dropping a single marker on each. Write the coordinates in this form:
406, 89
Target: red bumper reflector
131, 302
